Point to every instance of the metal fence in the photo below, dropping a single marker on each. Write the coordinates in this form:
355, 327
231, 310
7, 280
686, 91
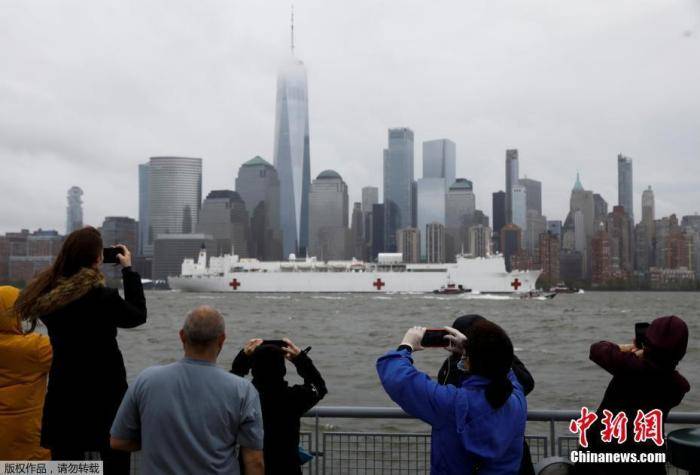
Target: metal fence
355, 453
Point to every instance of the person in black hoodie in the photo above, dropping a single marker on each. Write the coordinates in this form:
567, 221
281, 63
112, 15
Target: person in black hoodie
87, 379
644, 377
282, 405
450, 373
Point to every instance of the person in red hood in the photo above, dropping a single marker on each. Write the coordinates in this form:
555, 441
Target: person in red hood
644, 378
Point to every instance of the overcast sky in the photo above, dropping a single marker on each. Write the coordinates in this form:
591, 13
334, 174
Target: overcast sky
90, 89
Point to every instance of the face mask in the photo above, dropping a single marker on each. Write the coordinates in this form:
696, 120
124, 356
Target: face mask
460, 366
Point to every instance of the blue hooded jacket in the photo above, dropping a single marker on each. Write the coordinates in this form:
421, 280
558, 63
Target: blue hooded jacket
466, 430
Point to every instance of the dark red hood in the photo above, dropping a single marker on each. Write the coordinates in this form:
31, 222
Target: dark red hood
667, 339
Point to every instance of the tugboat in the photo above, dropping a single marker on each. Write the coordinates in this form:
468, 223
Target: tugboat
451, 289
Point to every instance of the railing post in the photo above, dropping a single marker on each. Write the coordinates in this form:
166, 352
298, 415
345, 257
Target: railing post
552, 437
316, 442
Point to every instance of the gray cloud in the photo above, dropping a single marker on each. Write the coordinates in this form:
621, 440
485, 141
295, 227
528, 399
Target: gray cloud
90, 89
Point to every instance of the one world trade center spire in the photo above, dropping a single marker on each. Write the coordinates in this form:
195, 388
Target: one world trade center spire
291, 154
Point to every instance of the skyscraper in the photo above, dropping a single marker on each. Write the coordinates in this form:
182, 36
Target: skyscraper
328, 217
533, 189
174, 195
224, 217
459, 214
408, 244
378, 235
624, 185
512, 177
584, 222
74, 210
118, 230
370, 197
357, 227
600, 210
549, 248
440, 160
519, 206
479, 240
435, 240
601, 248
511, 239
499, 217
398, 178
431, 204
619, 227
292, 156
145, 247
648, 207
258, 185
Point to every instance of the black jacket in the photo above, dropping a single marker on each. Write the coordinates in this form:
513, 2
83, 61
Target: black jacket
637, 384
282, 407
87, 379
450, 374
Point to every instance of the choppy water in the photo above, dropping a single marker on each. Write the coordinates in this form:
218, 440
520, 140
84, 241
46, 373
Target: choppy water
348, 332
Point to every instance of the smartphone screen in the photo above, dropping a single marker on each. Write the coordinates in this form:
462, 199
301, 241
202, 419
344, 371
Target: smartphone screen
640, 334
435, 338
109, 255
280, 343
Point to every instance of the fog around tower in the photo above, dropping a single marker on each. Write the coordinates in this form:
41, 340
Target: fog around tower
88, 90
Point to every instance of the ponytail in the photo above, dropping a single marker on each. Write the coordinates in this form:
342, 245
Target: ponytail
498, 391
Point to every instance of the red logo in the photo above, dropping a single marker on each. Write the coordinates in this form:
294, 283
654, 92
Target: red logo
615, 427
648, 426
378, 284
516, 284
581, 425
234, 284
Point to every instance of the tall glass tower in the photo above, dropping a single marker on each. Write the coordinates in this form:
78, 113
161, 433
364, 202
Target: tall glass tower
292, 156
398, 180
624, 185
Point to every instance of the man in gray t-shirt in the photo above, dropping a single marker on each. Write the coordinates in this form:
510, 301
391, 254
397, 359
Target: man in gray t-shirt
190, 416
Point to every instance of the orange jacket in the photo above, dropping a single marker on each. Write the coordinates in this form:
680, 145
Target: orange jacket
25, 361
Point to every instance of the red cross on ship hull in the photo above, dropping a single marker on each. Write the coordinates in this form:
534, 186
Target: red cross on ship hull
378, 284
234, 284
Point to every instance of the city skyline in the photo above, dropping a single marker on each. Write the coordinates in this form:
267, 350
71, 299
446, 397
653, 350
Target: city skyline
75, 138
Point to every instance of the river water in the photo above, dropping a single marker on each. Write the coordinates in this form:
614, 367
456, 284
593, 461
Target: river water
348, 332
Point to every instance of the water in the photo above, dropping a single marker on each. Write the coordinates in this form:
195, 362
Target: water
348, 332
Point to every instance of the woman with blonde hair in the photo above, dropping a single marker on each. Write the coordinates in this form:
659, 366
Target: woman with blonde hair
24, 364
87, 380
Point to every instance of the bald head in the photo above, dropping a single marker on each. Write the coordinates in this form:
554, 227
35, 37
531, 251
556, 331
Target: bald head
204, 327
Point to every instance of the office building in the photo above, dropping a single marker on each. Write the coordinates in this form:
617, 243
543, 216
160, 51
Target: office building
511, 243
145, 247
625, 192
600, 211
519, 206
292, 155
74, 210
435, 242
480, 240
533, 190
328, 217
440, 160
370, 197
431, 204
169, 250
619, 227
536, 226
548, 256
498, 203
118, 230
398, 179
174, 195
555, 227
602, 257
408, 244
512, 178
258, 185
357, 227
224, 217
378, 241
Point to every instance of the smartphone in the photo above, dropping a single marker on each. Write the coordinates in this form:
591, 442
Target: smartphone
279, 343
640, 334
109, 255
435, 338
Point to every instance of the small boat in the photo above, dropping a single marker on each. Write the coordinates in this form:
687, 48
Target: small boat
538, 295
451, 289
563, 289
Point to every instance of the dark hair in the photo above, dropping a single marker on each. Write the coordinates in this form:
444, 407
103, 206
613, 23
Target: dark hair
81, 249
466, 322
490, 354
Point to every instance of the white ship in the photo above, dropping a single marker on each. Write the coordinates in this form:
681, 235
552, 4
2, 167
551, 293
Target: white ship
389, 274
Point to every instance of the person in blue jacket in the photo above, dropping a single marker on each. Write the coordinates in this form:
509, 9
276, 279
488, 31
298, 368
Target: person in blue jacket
478, 427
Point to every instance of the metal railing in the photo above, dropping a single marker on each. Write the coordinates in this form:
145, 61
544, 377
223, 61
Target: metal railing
402, 452
396, 452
